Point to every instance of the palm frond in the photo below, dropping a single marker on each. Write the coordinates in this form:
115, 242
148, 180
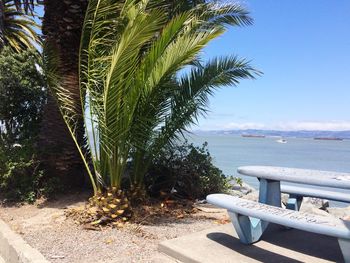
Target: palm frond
166, 57
225, 14
190, 98
26, 5
17, 29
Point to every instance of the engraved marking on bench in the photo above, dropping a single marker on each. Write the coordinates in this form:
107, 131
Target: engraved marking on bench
299, 216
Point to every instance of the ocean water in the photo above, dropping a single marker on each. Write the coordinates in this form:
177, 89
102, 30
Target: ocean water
232, 151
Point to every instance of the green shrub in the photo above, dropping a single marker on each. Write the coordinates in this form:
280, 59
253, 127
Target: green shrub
22, 96
20, 180
188, 170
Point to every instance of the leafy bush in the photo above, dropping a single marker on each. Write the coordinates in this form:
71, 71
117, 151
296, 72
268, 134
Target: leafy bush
22, 96
20, 180
187, 171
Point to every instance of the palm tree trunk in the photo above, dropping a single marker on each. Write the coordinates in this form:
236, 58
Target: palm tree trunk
62, 25
2, 8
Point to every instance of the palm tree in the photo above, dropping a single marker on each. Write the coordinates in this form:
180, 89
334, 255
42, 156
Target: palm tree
132, 81
17, 30
62, 24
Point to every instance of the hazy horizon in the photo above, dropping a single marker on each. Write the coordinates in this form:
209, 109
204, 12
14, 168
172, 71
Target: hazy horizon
337, 131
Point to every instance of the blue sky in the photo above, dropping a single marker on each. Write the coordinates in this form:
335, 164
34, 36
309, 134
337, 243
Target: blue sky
303, 49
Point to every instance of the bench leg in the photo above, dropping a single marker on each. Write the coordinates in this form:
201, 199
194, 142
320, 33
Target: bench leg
344, 245
294, 202
249, 230
270, 192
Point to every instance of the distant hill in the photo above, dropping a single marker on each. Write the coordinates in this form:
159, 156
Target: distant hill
296, 134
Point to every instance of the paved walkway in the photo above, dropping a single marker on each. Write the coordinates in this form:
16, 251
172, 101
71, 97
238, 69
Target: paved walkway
221, 245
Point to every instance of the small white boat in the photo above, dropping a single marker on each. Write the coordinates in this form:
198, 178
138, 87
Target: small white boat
281, 141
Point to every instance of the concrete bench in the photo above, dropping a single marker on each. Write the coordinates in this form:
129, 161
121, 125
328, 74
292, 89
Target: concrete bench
250, 220
270, 188
296, 194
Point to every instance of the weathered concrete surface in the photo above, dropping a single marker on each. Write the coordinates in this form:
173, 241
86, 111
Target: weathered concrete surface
13, 249
221, 245
162, 258
343, 212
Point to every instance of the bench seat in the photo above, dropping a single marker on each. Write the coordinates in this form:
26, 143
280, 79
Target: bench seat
250, 220
314, 192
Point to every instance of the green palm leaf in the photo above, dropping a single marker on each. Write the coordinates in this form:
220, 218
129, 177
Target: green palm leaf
17, 29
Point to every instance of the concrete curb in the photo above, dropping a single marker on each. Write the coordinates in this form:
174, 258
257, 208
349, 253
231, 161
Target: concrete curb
175, 253
13, 249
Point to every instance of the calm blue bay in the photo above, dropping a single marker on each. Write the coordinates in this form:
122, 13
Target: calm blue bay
231, 151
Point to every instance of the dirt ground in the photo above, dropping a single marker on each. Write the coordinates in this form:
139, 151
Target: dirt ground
45, 226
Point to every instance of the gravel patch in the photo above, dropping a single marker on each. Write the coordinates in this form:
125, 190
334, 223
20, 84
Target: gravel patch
60, 239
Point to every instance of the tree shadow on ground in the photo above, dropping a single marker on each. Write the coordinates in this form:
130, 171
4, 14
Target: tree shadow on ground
59, 201
315, 245
63, 201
